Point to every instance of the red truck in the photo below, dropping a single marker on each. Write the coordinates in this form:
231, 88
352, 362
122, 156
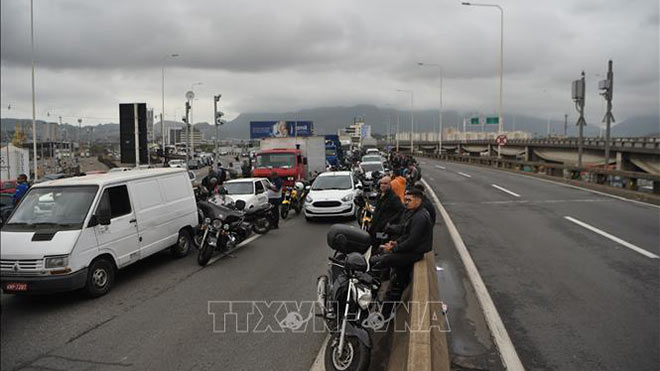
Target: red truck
291, 158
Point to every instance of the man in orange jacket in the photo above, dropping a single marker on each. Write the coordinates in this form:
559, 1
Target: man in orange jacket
399, 185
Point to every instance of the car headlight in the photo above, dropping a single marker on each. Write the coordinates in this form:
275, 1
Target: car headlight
207, 221
57, 261
290, 178
348, 197
364, 297
309, 200
217, 224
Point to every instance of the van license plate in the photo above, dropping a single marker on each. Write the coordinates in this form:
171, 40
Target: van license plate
16, 286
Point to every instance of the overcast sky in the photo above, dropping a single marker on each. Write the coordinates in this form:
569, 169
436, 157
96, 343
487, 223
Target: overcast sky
288, 55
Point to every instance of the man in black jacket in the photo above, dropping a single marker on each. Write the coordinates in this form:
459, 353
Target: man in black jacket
388, 209
416, 239
426, 202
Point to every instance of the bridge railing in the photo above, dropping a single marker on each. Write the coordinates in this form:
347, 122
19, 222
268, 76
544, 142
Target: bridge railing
614, 179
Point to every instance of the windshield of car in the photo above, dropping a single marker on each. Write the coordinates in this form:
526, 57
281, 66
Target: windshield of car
371, 159
376, 166
332, 182
62, 208
239, 188
276, 160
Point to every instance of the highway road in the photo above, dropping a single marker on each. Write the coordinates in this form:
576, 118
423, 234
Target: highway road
157, 317
573, 274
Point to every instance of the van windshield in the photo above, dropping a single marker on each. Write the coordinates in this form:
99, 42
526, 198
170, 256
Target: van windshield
55, 208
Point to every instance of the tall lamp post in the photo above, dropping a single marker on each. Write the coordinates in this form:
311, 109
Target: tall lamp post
440, 112
34, 112
412, 117
192, 121
501, 66
162, 113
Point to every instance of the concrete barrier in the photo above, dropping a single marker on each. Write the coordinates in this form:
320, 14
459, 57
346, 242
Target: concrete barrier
425, 347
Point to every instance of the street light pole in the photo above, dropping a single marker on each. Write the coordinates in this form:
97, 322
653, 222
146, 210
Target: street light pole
192, 122
216, 117
162, 113
34, 111
440, 111
412, 117
501, 67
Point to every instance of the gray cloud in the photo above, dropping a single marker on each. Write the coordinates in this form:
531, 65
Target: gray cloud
289, 55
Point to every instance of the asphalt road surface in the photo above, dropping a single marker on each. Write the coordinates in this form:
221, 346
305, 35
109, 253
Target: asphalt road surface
157, 316
571, 296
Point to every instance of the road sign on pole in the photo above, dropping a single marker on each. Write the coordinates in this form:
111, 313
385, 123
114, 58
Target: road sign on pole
492, 120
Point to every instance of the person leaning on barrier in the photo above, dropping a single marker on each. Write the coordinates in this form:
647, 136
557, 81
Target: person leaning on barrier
400, 255
388, 208
426, 202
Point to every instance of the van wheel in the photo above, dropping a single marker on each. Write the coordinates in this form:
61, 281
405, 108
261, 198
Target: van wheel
100, 277
183, 245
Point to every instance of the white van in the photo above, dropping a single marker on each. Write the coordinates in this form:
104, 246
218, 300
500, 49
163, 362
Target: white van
74, 233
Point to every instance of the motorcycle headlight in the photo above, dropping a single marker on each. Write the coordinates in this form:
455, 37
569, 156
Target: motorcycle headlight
309, 200
207, 220
226, 227
364, 297
217, 223
289, 178
348, 197
56, 261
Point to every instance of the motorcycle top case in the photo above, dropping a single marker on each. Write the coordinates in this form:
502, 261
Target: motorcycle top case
347, 239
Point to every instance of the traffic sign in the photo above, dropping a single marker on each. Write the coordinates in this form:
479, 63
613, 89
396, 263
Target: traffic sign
501, 140
492, 120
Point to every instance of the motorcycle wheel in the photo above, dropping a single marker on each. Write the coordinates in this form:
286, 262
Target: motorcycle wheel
284, 211
355, 357
298, 207
261, 226
204, 254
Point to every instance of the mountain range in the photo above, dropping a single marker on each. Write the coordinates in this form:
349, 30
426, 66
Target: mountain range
327, 120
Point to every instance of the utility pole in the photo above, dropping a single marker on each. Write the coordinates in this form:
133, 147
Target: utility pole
565, 124
186, 121
607, 86
217, 115
80, 139
577, 90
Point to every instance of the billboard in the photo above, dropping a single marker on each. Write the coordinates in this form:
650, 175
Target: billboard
281, 129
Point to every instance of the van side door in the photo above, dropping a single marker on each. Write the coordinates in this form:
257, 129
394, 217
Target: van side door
119, 237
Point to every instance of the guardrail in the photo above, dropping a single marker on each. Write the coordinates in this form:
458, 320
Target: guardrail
612, 179
424, 347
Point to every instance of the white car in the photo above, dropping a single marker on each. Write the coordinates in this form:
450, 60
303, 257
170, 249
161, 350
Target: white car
251, 190
368, 168
332, 194
178, 163
372, 158
372, 151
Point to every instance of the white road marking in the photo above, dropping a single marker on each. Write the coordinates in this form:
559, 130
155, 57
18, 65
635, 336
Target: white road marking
440, 167
505, 190
613, 238
465, 175
500, 335
319, 362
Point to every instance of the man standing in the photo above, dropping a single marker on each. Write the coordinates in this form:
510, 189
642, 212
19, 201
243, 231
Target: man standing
275, 197
388, 209
401, 254
21, 187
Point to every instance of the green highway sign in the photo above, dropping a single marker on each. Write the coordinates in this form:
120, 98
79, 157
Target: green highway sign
474, 121
492, 120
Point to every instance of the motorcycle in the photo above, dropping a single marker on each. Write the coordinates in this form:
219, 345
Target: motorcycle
225, 227
346, 298
365, 202
293, 199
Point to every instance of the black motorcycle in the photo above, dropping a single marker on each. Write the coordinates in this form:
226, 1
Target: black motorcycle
225, 227
346, 297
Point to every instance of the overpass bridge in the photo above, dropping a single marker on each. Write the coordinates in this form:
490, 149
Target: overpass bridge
626, 154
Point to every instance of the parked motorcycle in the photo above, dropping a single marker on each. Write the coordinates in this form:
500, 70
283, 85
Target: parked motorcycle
365, 202
225, 227
346, 298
